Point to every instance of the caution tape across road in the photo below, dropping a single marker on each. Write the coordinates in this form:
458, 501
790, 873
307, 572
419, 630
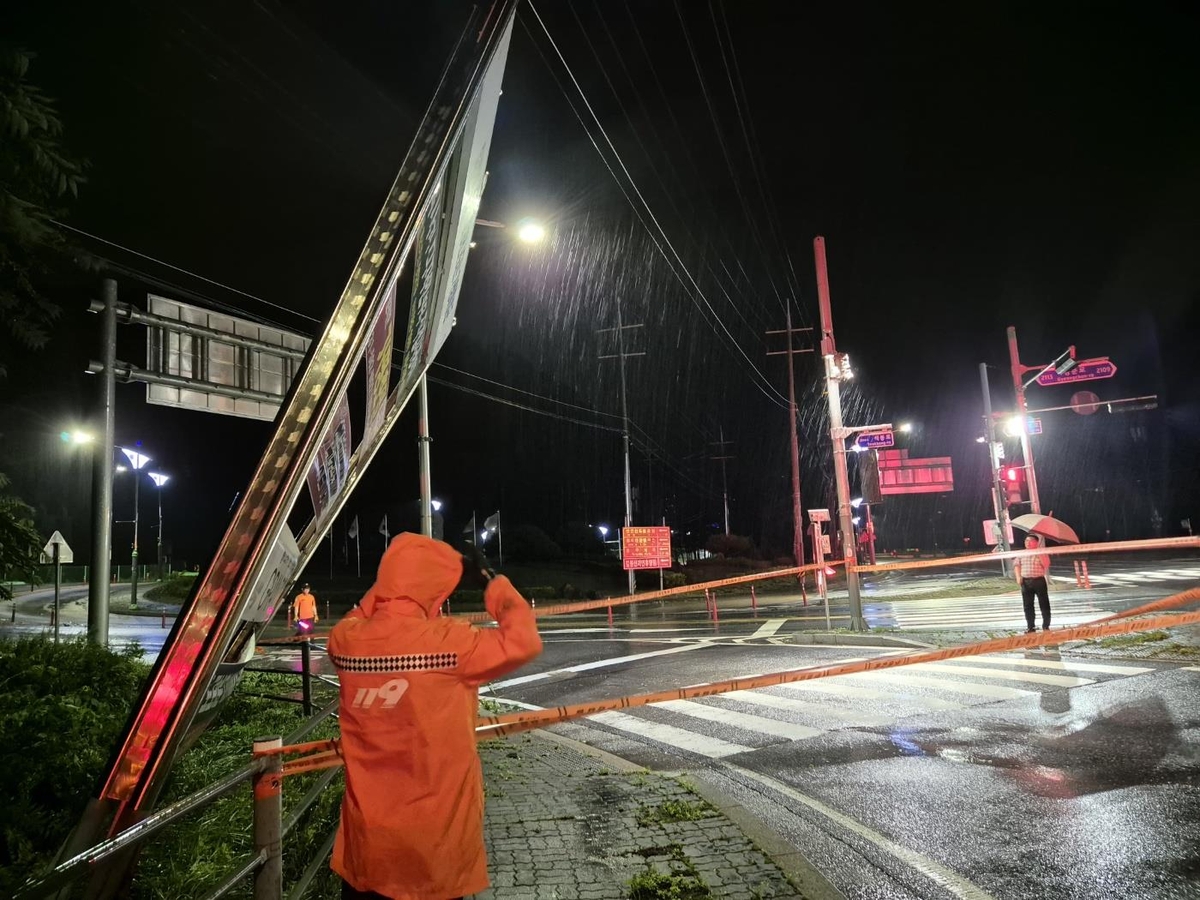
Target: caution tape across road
328, 753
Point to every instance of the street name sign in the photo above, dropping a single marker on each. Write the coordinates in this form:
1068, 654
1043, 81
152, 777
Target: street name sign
873, 440
1032, 425
65, 553
1086, 370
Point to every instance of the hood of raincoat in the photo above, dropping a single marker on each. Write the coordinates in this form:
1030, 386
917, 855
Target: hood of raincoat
418, 569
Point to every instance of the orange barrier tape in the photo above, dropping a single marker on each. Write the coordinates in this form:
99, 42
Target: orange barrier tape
513, 723
588, 605
1181, 599
1179, 543
296, 748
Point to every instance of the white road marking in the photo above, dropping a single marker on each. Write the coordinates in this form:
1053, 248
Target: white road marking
947, 684
944, 877
856, 692
744, 721
1066, 666
1191, 668
677, 738
788, 704
583, 667
1031, 677
768, 628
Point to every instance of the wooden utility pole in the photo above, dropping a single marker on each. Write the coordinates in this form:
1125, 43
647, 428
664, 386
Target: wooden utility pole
794, 438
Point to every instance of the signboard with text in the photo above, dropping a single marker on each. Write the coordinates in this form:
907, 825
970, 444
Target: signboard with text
874, 440
1085, 370
646, 547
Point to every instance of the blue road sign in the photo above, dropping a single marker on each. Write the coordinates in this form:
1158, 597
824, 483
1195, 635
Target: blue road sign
875, 440
1032, 425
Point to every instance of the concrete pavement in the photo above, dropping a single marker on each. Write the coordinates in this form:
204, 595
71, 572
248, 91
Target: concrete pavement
567, 821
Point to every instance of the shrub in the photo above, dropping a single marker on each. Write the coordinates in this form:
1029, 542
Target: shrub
175, 589
61, 711
731, 545
674, 579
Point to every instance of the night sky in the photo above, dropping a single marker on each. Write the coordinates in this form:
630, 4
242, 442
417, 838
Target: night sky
970, 169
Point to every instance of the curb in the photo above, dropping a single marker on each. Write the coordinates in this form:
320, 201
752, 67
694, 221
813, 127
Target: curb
807, 878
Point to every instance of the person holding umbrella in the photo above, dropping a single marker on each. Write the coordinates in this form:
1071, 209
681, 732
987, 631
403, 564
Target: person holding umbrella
1032, 573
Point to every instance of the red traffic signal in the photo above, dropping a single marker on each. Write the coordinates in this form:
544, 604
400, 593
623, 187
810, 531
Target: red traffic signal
1014, 485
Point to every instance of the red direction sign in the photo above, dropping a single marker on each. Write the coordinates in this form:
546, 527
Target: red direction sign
1086, 370
646, 547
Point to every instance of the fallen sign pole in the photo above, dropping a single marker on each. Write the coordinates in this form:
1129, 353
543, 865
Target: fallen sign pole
328, 753
514, 723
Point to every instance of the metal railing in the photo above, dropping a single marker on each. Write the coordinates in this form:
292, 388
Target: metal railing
265, 773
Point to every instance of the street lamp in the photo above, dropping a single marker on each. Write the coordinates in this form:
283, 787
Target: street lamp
77, 437
159, 480
436, 504
137, 461
531, 232
603, 529
1014, 426
906, 427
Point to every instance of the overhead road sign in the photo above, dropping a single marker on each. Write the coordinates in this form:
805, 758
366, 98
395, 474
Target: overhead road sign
1085, 370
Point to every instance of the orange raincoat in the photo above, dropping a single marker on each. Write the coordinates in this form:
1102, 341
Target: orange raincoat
412, 814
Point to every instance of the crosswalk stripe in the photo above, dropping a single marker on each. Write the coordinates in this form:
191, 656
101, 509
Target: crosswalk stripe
744, 721
788, 704
946, 684
1065, 665
1191, 668
1031, 677
768, 628
670, 735
1008, 623
864, 693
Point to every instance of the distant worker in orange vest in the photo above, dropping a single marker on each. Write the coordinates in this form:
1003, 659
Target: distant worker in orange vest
412, 812
304, 611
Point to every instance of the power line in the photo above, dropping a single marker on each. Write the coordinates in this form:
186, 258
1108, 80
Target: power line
762, 384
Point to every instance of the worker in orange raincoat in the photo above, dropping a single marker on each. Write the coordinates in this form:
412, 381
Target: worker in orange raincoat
412, 814
304, 611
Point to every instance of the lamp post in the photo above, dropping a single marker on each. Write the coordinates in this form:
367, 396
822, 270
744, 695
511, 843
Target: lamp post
137, 461
159, 480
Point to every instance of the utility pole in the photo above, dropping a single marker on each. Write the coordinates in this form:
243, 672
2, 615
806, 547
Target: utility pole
837, 367
621, 356
1035, 504
722, 443
102, 474
998, 498
423, 440
794, 440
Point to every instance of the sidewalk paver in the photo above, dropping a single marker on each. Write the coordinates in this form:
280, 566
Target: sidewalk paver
561, 823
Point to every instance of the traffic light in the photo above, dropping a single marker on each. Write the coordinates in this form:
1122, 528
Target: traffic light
1014, 485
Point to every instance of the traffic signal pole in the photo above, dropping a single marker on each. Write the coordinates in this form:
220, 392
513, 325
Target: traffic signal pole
997, 487
1018, 371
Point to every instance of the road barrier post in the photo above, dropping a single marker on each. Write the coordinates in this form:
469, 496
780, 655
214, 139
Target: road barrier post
268, 820
1078, 577
753, 601
610, 617
306, 676
1087, 581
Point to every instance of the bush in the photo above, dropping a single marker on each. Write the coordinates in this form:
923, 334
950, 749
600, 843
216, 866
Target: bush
524, 543
174, 589
539, 593
62, 709
674, 579
731, 545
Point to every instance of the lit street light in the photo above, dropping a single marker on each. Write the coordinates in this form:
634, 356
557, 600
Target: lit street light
906, 427
77, 437
531, 232
137, 461
603, 529
159, 480
437, 505
1014, 426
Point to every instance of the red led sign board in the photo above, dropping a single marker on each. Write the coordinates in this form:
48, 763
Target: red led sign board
646, 547
926, 475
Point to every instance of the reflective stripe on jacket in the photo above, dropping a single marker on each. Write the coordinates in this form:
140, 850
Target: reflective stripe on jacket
412, 814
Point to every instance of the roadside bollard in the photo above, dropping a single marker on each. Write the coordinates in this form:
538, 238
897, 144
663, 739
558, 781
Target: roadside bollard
753, 600
268, 820
1087, 581
1078, 575
610, 617
164, 619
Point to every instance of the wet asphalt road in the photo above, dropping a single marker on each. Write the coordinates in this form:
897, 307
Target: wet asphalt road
1019, 776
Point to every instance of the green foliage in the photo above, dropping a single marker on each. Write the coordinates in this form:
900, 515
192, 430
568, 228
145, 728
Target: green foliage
674, 579
674, 811
731, 545
528, 542
19, 540
650, 884
37, 176
1119, 641
174, 589
62, 707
